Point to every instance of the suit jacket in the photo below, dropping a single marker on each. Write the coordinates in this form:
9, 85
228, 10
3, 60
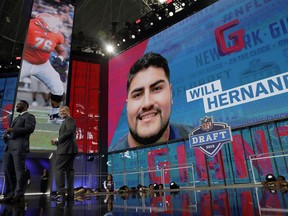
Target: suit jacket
23, 126
67, 137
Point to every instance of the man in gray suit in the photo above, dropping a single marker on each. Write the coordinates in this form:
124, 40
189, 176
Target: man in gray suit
17, 139
65, 154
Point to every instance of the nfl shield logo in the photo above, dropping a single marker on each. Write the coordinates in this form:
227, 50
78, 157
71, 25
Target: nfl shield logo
206, 123
210, 136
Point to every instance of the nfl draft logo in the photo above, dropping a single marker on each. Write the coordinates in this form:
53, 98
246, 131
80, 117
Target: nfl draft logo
210, 136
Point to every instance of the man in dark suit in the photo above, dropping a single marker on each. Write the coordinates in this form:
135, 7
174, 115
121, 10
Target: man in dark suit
65, 154
17, 139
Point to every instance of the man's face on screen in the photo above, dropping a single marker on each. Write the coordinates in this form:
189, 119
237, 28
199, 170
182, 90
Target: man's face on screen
149, 105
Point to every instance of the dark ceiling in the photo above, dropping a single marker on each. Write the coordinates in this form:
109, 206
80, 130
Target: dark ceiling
93, 19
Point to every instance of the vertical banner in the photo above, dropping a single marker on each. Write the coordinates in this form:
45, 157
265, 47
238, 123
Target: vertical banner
44, 68
8, 85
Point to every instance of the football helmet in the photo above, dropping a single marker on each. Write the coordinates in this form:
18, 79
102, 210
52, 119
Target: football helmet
48, 22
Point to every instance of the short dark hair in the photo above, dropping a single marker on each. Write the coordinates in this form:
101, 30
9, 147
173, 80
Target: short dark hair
110, 176
26, 103
149, 59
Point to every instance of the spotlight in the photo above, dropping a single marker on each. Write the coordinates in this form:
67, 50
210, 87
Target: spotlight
156, 186
133, 36
270, 178
109, 48
140, 187
173, 185
170, 10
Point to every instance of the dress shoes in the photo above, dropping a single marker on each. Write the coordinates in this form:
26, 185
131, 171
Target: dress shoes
6, 199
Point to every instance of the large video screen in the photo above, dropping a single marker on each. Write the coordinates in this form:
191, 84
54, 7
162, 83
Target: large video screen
228, 61
44, 68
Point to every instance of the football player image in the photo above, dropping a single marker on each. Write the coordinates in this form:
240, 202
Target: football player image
43, 38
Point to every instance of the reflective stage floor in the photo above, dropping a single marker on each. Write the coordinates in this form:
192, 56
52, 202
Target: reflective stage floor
217, 201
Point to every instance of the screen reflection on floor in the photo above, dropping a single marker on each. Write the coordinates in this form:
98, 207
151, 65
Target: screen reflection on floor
217, 201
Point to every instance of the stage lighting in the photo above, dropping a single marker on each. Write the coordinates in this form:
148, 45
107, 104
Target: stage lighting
170, 10
173, 185
156, 186
109, 48
270, 178
161, 13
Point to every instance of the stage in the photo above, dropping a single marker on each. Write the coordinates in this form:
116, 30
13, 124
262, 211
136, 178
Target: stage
234, 201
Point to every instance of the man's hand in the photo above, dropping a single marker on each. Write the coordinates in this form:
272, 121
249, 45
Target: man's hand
5, 138
61, 66
9, 130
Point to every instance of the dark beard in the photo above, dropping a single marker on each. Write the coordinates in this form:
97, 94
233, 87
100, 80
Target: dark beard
19, 110
151, 139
